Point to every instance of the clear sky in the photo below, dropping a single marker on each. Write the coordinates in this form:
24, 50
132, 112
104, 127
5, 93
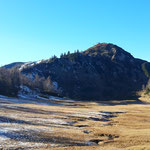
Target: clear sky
31, 30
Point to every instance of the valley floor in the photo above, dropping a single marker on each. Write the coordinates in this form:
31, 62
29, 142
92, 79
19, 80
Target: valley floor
60, 124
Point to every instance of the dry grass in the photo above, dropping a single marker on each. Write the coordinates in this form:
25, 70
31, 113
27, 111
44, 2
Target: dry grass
72, 126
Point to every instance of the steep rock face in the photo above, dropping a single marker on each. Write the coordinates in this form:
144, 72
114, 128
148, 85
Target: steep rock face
102, 72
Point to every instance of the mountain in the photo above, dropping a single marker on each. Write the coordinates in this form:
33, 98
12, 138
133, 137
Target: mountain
102, 72
12, 65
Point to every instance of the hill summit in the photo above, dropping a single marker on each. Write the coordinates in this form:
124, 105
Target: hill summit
109, 50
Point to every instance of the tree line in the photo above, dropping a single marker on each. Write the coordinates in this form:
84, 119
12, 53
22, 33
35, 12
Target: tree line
11, 81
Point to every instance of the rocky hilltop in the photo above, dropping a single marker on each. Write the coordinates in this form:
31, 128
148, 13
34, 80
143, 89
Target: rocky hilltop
102, 72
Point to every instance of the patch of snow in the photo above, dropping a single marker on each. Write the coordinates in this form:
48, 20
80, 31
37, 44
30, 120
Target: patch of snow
40, 61
25, 92
31, 144
28, 64
2, 139
58, 121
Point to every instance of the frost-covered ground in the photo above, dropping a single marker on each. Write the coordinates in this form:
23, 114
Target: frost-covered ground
41, 123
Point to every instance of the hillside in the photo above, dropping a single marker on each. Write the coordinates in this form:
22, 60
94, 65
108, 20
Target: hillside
12, 65
102, 72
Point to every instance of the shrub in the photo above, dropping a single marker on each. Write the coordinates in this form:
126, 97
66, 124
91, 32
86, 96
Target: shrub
11, 80
145, 70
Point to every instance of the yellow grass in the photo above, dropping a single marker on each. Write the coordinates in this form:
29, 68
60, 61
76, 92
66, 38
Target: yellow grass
129, 130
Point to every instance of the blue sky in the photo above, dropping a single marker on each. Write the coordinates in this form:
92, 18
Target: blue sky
31, 30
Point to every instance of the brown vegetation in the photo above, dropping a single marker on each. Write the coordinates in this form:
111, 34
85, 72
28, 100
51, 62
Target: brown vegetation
75, 125
12, 79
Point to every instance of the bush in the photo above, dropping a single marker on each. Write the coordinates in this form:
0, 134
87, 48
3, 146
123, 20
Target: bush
147, 92
11, 80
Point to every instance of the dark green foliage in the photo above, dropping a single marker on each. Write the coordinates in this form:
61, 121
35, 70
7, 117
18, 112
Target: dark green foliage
68, 53
71, 56
62, 55
52, 59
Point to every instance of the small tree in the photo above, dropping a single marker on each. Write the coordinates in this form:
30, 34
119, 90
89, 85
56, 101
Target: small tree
65, 55
68, 53
48, 85
62, 55
78, 51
